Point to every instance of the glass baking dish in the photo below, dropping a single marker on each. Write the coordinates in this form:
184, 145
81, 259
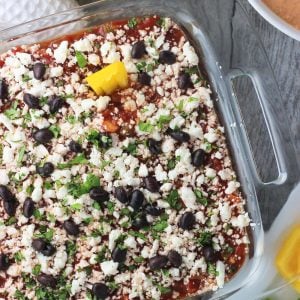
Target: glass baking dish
229, 49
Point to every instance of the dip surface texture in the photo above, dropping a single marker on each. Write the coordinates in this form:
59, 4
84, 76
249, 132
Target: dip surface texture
130, 195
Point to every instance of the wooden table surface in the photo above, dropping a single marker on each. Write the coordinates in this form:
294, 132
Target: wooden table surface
284, 55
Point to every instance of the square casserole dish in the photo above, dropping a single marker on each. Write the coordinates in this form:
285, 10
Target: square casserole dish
218, 33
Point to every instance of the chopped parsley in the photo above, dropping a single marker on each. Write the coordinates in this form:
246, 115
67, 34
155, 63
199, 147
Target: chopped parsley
76, 206
77, 160
146, 127
71, 249
144, 67
161, 22
25, 78
110, 207
200, 198
38, 215
163, 289
139, 259
55, 130
132, 23
78, 189
20, 296
131, 149
71, 119
211, 270
81, 60
36, 270
13, 112
100, 257
10, 221
137, 235
173, 200
18, 256
171, 164
21, 154
163, 120
45, 233
205, 238
160, 226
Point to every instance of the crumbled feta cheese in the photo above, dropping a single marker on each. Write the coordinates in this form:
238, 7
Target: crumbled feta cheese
188, 197
109, 267
61, 53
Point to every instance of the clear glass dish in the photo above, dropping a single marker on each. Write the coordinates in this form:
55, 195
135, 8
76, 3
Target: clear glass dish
229, 49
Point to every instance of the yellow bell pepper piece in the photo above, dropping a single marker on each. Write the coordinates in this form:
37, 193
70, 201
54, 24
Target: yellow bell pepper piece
288, 258
110, 78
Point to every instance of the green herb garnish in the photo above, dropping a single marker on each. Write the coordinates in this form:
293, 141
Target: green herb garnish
132, 23
25, 78
36, 270
45, 233
55, 130
81, 60
78, 189
211, 270
77, 160
146, 127
21, 155
13, 112
173, 200
205, 239
200, 198
18, 256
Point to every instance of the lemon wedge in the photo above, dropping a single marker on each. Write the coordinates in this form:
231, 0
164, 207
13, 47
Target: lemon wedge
108, 79
288, 258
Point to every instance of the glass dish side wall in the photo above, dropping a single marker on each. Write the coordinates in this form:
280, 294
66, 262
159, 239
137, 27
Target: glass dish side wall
214, 38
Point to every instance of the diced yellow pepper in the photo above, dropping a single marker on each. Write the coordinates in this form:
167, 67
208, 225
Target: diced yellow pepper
288, 258
110, 78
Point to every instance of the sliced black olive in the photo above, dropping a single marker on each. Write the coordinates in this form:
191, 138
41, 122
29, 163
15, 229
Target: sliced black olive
175, 258
6, 194
39, 70
46, 170
100, 290
140, 222
138, 50
4, 262
184, 81
43, 246
119, 255
10, 207
121, 194
144, 78
47, 280
28, 207
179, 136
71, 227
153, 210
136, 199
75, 147
154, 146
158, 262
49, 250
38, 244
43, 136
198, 158
187, 221
55, 103
3, 89
151, 184
167, 57
210, 254
31, 101
99, 194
